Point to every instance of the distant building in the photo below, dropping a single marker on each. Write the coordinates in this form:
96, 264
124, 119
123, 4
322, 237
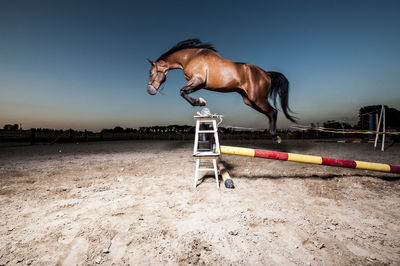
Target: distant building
370, 115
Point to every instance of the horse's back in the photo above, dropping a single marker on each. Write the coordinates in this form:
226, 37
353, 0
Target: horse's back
224, 75
220, 72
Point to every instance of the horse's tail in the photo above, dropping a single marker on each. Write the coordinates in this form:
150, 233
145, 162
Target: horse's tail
280, 85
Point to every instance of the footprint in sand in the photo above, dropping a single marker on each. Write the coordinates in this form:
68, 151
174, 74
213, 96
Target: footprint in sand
118, 248
76, 254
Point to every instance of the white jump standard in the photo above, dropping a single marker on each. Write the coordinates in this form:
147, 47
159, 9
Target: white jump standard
206, 147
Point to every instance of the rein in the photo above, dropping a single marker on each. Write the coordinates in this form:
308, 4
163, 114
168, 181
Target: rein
160, 91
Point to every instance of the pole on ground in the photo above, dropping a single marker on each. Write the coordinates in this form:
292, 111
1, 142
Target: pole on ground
301, 158
225, 176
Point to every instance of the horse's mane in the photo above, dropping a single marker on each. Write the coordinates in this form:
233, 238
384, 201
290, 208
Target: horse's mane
187, 44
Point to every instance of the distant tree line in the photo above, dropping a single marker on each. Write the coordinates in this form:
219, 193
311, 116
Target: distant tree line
10, 127
186, 131
176, 129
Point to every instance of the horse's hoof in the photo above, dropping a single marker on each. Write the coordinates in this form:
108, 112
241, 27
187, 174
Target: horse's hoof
202, 102
278, 139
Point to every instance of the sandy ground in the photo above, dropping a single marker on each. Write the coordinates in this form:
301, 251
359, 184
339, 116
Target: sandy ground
133, 202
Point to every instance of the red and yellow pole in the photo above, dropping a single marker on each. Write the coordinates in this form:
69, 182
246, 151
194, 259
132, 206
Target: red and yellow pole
301, 158
225, 176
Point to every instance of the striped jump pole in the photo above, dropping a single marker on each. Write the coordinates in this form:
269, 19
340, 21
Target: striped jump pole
301, 158
225, 176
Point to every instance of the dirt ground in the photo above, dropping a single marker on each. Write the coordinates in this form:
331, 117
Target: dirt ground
133, 203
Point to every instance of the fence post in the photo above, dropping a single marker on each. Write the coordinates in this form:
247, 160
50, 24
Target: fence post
371, 125
33, 136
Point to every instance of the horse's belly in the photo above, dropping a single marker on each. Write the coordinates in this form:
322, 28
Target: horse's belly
222, 78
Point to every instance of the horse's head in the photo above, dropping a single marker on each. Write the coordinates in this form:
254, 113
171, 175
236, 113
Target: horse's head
158, 75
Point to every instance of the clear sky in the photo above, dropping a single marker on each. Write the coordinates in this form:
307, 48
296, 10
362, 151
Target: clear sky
81, 64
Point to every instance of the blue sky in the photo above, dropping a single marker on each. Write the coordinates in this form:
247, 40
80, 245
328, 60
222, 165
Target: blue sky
81, 64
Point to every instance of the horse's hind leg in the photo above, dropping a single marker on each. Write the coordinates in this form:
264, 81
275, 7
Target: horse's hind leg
272, 115
268, 110
193, 85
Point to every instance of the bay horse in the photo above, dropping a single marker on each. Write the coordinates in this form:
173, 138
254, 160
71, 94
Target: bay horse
204, 68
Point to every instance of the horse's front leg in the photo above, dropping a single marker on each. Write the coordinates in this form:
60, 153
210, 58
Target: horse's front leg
193, 85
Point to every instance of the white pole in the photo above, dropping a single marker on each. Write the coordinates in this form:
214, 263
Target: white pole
378, 127
384, 128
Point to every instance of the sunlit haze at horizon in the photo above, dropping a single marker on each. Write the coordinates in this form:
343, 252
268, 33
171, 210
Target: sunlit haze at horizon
82, 64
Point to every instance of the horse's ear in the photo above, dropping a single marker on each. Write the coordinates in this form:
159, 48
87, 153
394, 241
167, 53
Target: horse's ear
151, 62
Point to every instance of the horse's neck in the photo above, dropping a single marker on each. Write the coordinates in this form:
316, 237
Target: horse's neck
179, 59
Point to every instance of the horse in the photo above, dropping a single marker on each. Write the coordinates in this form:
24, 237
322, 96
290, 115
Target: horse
204, 68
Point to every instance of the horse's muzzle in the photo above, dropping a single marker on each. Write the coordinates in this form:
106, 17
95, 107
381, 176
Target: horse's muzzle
151, 90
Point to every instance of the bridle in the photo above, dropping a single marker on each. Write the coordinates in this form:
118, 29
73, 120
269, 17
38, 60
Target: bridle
157, 72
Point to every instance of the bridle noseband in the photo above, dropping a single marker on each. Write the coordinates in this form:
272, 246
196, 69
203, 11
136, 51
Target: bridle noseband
157, 72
